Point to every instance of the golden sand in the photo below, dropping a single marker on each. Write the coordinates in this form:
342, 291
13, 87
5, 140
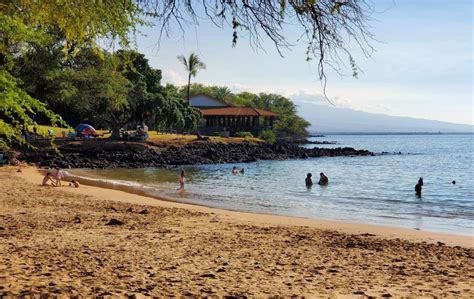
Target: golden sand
56, 241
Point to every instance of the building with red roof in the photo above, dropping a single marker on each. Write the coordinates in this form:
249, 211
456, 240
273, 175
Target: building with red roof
221, 118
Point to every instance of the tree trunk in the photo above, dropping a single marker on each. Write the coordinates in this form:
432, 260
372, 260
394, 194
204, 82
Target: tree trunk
115, 132
189, 86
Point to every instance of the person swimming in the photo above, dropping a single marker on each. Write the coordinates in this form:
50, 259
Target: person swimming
323, 179
418, 187
309, 180
235, 170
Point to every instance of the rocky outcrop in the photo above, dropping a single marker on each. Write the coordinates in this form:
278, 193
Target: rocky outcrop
200, 152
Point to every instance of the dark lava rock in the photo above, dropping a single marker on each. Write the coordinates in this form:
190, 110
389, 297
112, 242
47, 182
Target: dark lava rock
114, 221
199, 152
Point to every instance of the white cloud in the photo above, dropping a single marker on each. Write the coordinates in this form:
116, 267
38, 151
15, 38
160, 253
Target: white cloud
341, 101
173, 77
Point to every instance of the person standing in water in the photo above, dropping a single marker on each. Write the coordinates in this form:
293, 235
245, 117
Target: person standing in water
323, 179
309, 180
418, 186
182, 180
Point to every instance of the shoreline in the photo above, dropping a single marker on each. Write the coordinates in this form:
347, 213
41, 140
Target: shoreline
134, 196
96, 242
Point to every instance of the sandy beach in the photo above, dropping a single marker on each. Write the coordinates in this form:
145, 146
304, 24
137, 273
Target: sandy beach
92, 241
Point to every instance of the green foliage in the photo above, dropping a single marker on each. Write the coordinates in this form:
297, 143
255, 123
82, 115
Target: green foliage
91, 89
193, 65
108, 90
268, 136
244, 134
29, 26
17, 109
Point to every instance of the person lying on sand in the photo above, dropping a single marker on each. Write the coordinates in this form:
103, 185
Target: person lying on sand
48, 180
74, 184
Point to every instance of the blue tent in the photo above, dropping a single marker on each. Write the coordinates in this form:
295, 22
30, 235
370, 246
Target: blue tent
83, 130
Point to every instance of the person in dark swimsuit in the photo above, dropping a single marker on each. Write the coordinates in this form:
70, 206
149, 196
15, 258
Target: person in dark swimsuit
418, 187
309, 180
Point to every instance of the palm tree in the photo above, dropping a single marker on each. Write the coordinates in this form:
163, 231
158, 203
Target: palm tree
222, 93
192, 65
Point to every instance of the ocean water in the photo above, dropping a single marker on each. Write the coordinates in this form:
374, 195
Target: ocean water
375, 190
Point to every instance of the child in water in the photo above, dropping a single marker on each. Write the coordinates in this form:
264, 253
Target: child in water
182, 180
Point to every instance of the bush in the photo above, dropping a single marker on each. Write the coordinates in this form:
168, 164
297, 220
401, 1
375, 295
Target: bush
244, 134
268, 136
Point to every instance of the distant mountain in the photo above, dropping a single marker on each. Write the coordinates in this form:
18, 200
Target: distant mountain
342, 120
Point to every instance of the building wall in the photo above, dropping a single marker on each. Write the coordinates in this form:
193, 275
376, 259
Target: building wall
205, 101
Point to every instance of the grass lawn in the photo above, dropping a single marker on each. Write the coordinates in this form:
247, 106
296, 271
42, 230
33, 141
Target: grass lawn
153, 136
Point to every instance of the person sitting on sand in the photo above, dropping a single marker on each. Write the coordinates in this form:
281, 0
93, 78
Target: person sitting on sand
182, 180
59, 176
14, 161
418, 187
48, 180
323, 179
309, 180
74, 184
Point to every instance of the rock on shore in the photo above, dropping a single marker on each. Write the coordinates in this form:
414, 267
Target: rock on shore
202, 152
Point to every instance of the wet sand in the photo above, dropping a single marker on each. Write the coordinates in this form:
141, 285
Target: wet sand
57, 241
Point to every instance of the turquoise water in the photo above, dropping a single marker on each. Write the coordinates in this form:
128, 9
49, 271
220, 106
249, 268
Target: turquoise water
375, 190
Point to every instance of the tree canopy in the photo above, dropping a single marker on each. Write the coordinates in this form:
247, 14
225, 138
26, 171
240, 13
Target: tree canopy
30, 25
324, 26
193, 65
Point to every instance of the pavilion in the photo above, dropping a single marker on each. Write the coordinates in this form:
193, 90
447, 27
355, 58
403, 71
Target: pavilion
221, 118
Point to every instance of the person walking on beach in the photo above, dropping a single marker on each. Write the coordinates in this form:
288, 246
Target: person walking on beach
309, 180
323, 179
182, 180
58, 176
418, 186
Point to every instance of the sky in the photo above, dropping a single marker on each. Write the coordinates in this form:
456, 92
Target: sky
422, 65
